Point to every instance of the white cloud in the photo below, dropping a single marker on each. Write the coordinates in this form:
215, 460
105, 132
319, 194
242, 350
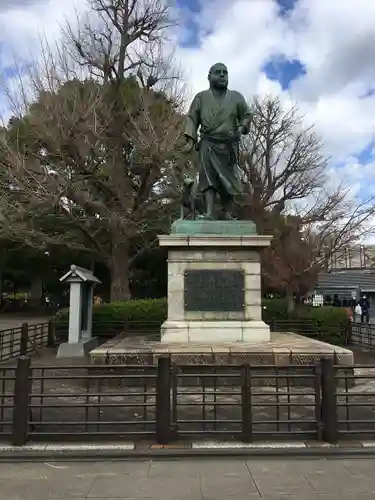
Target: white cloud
335, 42
243, 37
23, 23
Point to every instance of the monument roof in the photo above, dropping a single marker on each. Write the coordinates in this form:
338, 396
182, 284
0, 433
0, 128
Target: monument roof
79, 274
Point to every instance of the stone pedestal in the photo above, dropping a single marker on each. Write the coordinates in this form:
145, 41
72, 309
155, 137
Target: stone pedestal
214, 283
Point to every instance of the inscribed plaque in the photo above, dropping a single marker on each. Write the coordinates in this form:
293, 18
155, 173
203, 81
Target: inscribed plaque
214, 290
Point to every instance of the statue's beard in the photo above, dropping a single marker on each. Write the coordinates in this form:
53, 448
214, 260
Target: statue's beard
219, 85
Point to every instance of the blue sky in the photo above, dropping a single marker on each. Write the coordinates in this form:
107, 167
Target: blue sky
315, 54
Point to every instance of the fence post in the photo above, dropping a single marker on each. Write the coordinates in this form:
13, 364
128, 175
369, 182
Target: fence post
163, 401
348, 335
247, 427
22, 392
51, 334
24, 342
329, 401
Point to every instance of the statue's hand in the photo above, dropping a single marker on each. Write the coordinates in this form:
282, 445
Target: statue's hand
189, 145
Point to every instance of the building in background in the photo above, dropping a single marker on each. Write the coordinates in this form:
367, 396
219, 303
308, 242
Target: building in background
349, 274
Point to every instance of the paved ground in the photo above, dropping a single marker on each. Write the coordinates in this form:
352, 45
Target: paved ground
16, 320
198, 479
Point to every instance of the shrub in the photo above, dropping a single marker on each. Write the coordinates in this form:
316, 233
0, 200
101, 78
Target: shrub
275, 309
144, 315
144, 310
331, 323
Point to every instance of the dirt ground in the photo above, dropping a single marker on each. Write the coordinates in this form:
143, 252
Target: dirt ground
16, 320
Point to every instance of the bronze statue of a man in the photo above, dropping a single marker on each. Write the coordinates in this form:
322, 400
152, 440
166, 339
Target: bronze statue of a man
221, 116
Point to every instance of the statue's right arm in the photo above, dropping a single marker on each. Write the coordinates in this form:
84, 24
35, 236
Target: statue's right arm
192, 121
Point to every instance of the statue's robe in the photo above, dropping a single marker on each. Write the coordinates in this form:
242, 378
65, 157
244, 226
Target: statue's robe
218, 120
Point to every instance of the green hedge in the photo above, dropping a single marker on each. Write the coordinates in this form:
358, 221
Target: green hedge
150, 310
142, 316
331, 322
275, 309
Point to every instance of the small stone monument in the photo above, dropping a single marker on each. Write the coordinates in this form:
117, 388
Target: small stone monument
80, 340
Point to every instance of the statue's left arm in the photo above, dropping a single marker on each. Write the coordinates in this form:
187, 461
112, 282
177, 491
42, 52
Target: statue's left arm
192, 120
244, 115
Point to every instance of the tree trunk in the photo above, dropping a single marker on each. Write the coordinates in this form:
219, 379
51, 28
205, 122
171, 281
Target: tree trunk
119, 268
36, 291
290, 301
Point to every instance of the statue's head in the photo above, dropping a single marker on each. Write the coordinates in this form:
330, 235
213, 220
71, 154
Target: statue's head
218, 76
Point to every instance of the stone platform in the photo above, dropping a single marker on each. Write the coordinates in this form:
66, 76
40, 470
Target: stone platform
282, 350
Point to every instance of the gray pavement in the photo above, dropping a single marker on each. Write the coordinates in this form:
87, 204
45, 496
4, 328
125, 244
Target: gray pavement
198, 479
15, 320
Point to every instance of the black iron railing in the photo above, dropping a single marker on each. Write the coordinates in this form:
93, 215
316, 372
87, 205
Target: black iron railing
88, 402
166, 402
25, 339
363, 334
354, 398
249, 402
7, 401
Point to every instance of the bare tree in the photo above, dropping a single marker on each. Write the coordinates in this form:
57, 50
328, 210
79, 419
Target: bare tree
96, 150
281, 160
300, 250
289, 194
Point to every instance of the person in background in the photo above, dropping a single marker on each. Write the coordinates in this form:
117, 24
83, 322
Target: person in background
97, 300
327, 300
358, 313
348, 309
365, 309
336, 301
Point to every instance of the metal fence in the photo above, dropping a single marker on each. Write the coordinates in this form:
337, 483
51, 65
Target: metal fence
25, 339
7, 400
168, 402
248, 403
355, 403
85, 401
363, 334
339, 332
